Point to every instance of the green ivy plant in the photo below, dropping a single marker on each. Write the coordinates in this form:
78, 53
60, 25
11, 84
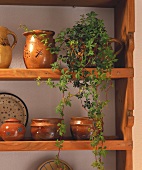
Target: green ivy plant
84, 45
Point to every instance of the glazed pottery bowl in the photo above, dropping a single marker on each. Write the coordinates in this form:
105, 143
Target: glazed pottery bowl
45, 129
12, 130
81, 120
81, 127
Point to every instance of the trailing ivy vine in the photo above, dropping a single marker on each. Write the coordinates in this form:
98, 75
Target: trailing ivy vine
84, 45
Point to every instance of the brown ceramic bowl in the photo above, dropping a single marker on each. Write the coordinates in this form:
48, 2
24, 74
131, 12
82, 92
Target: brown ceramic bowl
81, 120
45, 129
81, 127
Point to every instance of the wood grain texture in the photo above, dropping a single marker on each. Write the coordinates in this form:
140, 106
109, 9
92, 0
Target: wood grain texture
129, 160
130, 91
32, 74
130, 49
86, 3
68, 145
124, 31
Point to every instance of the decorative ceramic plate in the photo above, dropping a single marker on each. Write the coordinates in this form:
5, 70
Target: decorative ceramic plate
50, 165
11, 106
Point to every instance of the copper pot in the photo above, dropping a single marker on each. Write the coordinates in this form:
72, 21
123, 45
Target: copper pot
12, 130
36, 54
81, 127
97, 58
45, 129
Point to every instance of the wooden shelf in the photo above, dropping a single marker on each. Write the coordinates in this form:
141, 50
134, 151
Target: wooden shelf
68, 145
32, 74
86, 3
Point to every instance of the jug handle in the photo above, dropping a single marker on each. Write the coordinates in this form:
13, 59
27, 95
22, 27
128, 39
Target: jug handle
15, 38
113, 40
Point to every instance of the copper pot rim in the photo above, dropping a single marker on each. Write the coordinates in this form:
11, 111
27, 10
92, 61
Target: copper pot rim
13, 120
87, 124
46, 125
84, 118
50, 32
45, 119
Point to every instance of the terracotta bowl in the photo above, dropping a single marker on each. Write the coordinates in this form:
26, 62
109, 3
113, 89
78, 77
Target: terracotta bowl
81, 127
45, 129
81, 120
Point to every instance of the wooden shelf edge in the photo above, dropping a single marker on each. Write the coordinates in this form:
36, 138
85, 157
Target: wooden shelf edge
68, 145
79, 3
32, 74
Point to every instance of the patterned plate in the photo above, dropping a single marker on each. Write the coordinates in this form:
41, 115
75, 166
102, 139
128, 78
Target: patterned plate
50, 165
12, 106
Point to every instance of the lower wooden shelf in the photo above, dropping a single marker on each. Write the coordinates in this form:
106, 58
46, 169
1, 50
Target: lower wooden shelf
68, 145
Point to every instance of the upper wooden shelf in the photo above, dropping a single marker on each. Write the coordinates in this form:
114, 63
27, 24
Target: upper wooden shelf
68, 145
32, 74
86, 3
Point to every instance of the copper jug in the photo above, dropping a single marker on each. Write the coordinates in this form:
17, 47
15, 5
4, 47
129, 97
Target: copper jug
5, 47
36, 54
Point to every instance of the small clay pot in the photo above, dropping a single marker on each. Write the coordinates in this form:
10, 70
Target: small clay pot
45, 129
81, 127
12, 130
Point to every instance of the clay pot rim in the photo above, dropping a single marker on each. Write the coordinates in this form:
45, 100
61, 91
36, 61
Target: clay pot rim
39, 32
44, 119
47, 125
84, 118
87, 124
12, 120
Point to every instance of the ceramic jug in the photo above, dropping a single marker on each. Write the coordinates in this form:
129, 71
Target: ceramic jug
36, 54
5, 47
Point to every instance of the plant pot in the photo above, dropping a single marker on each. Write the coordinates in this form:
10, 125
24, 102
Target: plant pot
36, 54
105, 58
81, 127
12, 130
96, 57
45, 129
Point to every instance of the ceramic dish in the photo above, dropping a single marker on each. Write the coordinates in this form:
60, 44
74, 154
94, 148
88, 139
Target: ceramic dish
11, 106
50, 165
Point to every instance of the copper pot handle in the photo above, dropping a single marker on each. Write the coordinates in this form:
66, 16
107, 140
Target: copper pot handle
113, 40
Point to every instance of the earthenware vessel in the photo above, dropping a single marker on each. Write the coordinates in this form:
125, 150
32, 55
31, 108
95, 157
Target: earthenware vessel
12, 130
45, 129
5, 47
36, 52
81, 127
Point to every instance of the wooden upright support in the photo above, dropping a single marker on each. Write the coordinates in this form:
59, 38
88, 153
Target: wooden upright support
124, 30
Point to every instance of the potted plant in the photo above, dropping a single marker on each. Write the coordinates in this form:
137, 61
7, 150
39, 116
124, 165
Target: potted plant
86, 44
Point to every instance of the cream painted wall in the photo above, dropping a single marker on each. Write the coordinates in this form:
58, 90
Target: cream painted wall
137, 130
39, 100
